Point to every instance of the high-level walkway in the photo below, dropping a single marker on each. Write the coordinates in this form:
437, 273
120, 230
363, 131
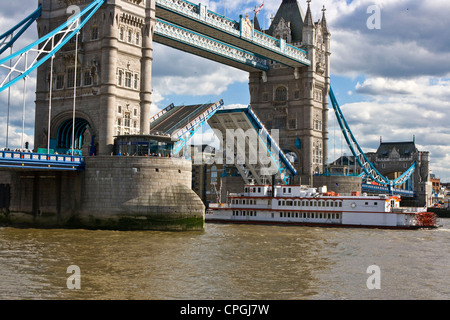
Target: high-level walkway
240, 34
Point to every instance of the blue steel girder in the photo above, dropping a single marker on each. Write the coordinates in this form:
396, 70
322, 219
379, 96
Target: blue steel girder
196, 43
24, 25
274, 161
44, 48
239, 34
185, 133
359, 155
41, 161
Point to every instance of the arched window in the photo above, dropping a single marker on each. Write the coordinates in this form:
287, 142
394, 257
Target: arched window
281, 93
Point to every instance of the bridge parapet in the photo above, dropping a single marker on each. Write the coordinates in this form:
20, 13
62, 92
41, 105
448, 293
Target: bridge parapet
29, 160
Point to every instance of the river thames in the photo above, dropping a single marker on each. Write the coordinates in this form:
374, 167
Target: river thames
226, 262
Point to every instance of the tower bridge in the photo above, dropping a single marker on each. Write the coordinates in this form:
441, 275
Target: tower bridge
94, 81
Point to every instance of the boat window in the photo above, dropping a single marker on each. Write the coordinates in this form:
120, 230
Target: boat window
259, 189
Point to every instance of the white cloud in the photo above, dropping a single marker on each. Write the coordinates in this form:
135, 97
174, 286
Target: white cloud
401, 110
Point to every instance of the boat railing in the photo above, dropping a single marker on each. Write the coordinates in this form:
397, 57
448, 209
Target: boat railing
408, 210
242, 194
218, 205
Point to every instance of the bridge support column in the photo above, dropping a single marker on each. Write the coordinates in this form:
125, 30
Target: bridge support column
146, 67
108, 106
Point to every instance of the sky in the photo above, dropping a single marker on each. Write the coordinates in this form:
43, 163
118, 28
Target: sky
390, 73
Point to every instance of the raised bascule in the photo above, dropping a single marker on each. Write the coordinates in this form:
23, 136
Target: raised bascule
94, 93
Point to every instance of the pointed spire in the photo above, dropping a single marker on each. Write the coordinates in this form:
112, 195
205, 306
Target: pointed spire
325, 29
308, 18
256, 24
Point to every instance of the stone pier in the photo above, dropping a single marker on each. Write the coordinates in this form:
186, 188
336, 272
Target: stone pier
120, 193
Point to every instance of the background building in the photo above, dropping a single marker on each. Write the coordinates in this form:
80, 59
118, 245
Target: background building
393, 158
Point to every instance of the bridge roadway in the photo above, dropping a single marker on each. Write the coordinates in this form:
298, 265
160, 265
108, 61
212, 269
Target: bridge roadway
177, 117
239, 34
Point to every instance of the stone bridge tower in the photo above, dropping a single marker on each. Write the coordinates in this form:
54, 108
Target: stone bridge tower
113, 83
296, 101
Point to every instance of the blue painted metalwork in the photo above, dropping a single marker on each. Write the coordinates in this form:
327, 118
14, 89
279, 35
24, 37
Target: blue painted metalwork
25, 24
193, 39
183, 135
277, 156
285, 167
64, 134
68, 29
42, 161
365, 164
241, 32
386, 190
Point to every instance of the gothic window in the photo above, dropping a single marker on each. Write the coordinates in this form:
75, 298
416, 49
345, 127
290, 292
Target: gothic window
128, 79
138, 38
120, 78
127, 120
94, 33
121, 34
136, 81
129, 36
297, 94
71, 77
87, 78
59, 82
281, 93
119, 109
265, 96
292, 123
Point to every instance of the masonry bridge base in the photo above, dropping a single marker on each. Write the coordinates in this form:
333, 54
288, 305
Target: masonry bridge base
113, 193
